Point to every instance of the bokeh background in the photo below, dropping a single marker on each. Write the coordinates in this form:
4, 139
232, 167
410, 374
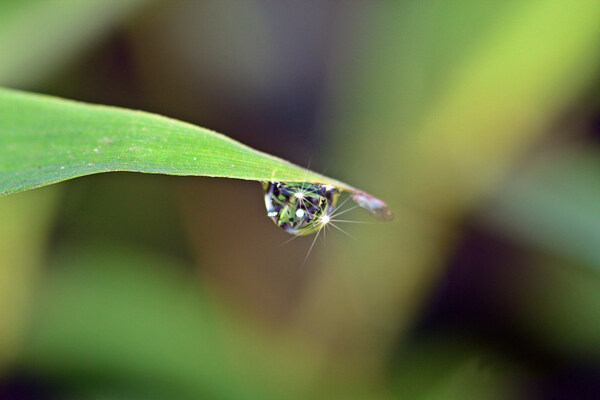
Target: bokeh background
478, 122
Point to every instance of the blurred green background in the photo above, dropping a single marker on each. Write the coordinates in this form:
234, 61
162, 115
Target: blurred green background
478, 122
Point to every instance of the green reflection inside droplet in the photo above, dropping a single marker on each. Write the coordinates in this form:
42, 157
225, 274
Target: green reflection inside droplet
299, 208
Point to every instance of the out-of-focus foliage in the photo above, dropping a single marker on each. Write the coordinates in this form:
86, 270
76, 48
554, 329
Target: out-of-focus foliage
558, 189
37, 37
24, 228
477, 120
552, 207
440, 149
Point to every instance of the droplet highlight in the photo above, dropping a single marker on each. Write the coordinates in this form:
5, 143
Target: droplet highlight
300, 208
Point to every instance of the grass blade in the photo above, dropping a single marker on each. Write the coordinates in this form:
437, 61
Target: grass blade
45, 140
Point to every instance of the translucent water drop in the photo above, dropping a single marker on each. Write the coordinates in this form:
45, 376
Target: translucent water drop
300, 208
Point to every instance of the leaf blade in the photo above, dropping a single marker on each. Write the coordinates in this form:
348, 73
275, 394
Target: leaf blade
45, 140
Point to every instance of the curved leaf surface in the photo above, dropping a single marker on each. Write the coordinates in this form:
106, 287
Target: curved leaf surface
45, 140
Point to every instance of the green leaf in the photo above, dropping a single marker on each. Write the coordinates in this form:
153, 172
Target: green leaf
44, 140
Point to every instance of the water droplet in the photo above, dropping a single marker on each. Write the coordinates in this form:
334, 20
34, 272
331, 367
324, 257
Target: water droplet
299, 208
